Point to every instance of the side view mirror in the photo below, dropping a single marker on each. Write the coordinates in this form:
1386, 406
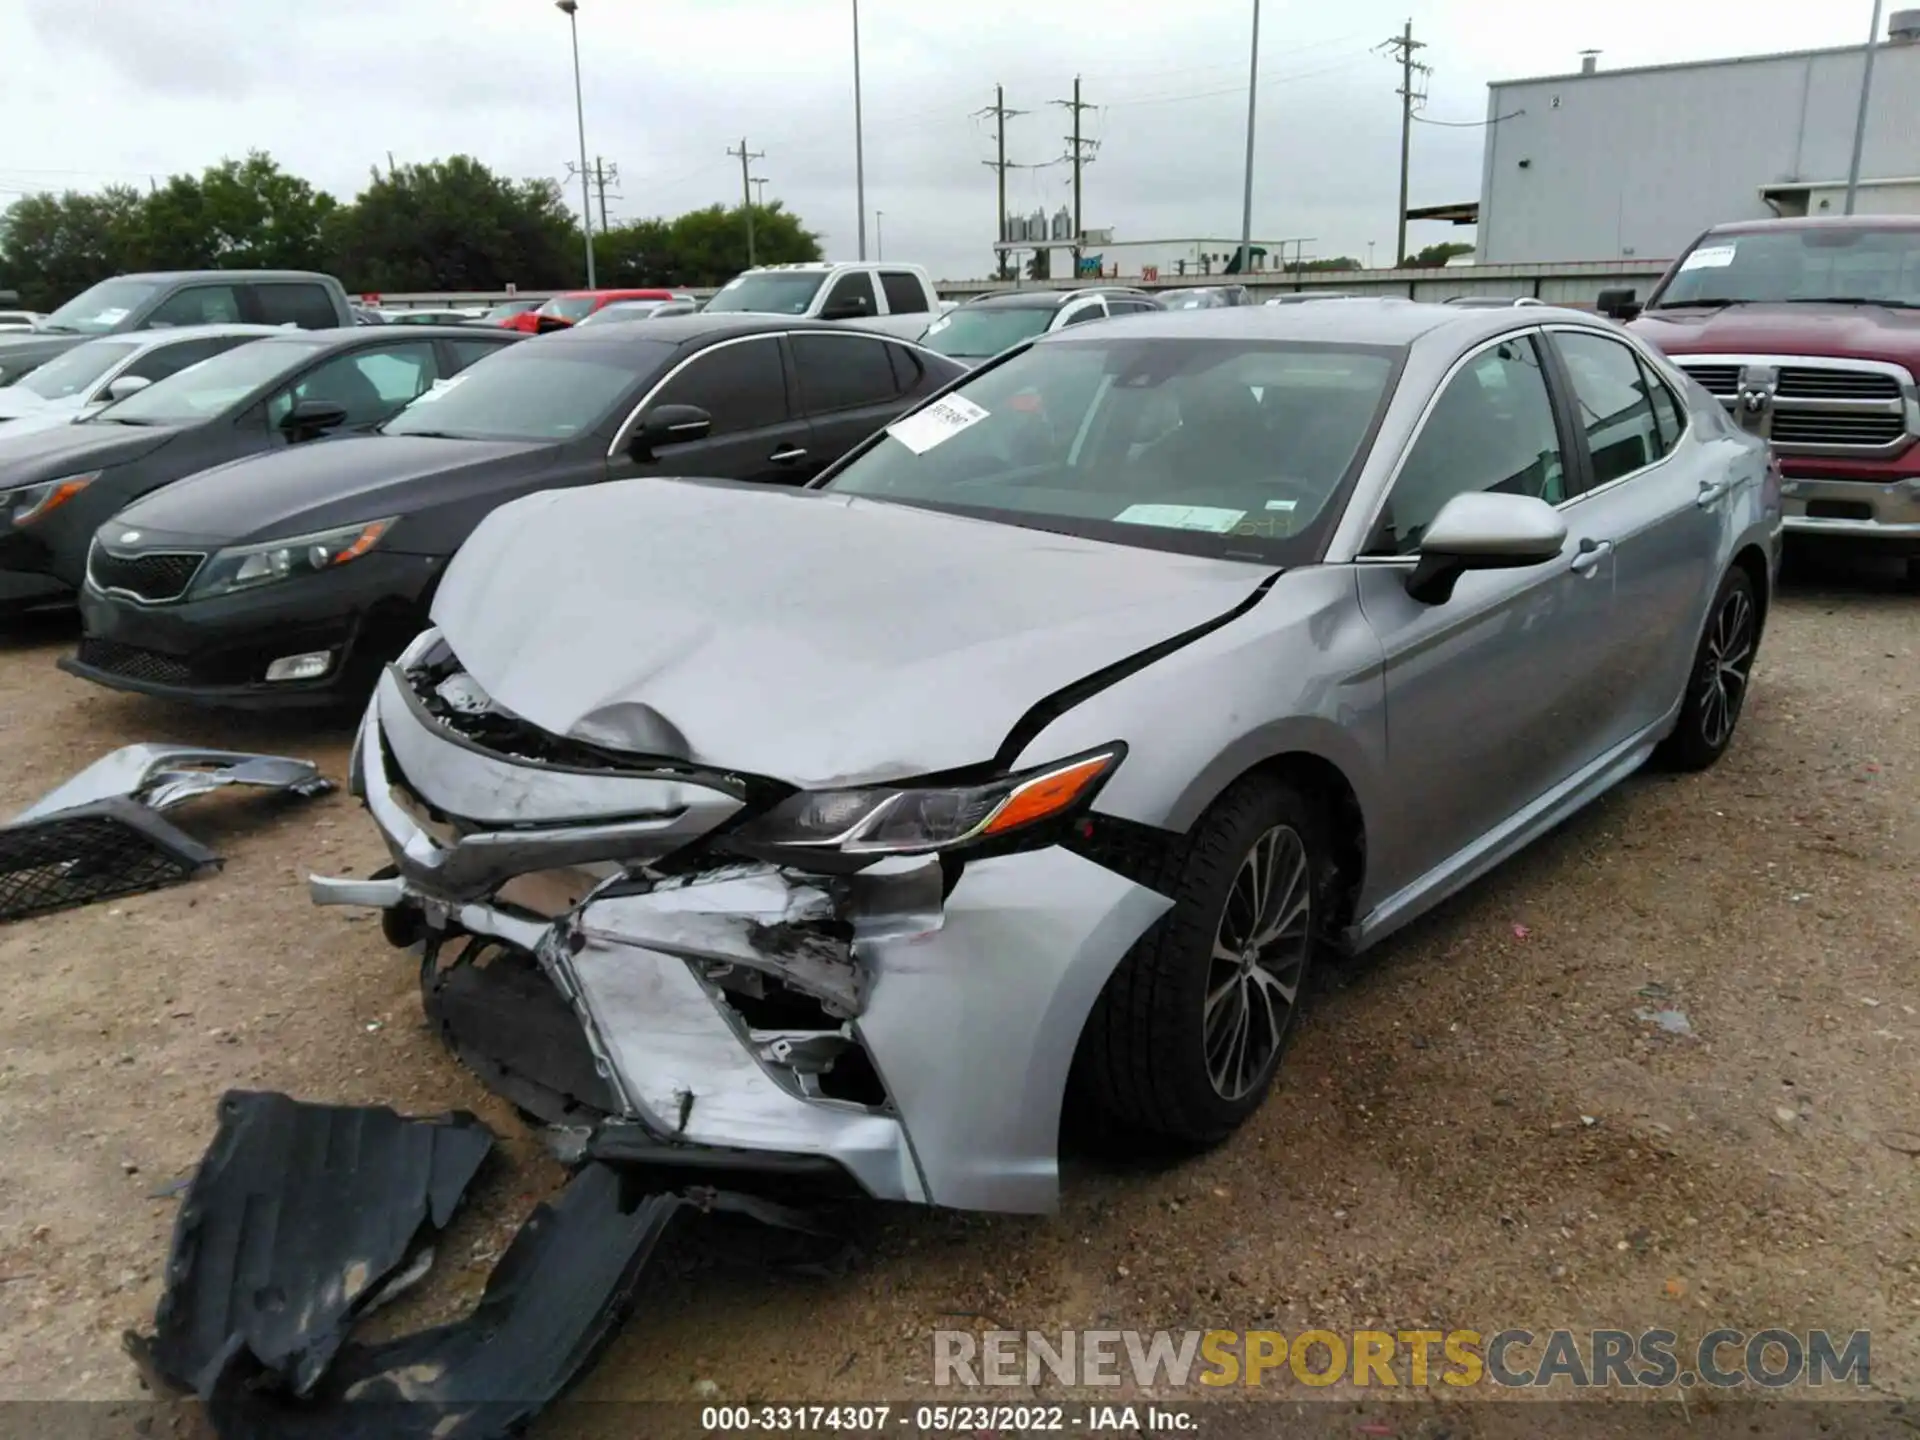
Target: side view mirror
848, 307
1618, 304
547, 324
127, 385
668, 425
309, 418
1484, 531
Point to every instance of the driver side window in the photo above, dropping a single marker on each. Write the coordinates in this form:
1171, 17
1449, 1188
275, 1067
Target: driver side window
371, 385
1492, 429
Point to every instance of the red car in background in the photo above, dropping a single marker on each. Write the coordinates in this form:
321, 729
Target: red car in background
575, 305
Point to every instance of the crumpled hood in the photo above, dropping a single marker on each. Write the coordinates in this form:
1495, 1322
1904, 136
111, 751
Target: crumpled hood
1851, 332
802, 635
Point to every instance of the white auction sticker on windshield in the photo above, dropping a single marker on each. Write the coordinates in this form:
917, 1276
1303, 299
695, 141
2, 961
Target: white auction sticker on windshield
1709, 257
112, 315
1209, 518
936, 424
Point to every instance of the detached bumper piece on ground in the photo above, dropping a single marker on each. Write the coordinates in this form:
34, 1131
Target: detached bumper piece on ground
303, 1218
101, 833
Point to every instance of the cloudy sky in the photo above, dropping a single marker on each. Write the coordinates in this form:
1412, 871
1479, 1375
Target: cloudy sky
100, 91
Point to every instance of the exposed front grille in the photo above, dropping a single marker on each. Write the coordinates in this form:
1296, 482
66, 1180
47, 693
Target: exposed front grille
1804, 407
1797, 383
133, 663
154, 575
1717, 379
1829, 428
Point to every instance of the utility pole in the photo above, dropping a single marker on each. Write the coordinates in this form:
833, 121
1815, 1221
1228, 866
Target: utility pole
1246, 200
1001, 114
1860, 123
604, 174
1402, 47
1080, 156
746, 158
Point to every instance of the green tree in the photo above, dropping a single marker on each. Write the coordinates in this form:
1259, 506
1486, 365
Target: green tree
455, 225
636, 255
237, 215
1436, 255
709, 247
54, 246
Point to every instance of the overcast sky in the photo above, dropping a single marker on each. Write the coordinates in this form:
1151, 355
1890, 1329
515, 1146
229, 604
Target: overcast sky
99, 91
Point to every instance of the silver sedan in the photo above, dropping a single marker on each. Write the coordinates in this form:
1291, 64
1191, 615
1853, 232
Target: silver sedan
1042, 749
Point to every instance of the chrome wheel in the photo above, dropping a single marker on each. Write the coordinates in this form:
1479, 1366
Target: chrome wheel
1260, 953
1725, 664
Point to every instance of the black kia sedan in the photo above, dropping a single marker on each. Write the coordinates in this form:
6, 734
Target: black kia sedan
269, 395
290, 578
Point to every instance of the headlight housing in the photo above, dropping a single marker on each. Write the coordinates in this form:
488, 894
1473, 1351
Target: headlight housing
921, 821
246, 566
28, 503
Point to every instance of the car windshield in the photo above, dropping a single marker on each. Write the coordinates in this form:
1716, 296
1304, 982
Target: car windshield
209, 388
533, 393
96, 311
980, 330
766, 293
568, 307
1857, 263
71, 374
1236, 449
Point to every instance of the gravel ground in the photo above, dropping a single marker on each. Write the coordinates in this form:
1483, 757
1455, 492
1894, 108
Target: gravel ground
1476, 1128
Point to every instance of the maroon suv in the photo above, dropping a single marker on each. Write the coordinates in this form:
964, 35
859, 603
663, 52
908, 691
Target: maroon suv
1808, 331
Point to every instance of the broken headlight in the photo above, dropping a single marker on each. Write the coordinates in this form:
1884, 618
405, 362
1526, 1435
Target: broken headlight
884, 821
245, 566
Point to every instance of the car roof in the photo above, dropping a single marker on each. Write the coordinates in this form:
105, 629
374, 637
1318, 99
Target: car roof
1384, 321
701, 329
1818, 222
167, 334
346, 335
1027, 299
225, 275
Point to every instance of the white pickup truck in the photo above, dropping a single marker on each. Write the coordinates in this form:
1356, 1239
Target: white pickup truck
898, 299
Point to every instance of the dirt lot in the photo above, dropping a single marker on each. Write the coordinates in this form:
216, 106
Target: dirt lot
1475, 1129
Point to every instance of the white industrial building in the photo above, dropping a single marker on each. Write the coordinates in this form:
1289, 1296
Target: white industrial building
1634, 163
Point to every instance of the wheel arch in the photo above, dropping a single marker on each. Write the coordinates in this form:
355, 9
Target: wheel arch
1752, 559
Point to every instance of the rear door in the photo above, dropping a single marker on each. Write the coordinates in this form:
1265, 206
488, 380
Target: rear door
757, 434
849, 388
1646, 499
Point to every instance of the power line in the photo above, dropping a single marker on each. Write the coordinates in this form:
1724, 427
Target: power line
1080, 155
1001, 114
1401, 48
746, 158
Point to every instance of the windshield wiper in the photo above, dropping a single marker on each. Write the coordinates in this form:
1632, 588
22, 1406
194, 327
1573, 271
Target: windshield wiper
115, 420
423, 434
1698, 304
1852, 300
58, 330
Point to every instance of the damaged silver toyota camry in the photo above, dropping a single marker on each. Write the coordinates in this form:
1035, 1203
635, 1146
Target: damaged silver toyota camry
1043, 746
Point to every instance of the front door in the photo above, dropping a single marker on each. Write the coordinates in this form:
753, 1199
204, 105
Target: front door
1490, 693
757, 433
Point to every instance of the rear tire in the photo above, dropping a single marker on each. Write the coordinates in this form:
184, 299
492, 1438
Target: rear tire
1184, 1041
1717, 684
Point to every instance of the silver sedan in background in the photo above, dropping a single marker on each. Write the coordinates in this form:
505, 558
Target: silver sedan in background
1044, 747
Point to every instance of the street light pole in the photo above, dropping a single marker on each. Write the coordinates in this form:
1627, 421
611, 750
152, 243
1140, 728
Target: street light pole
571, 8
1860, 123
879, 236
1253, 91
859, 143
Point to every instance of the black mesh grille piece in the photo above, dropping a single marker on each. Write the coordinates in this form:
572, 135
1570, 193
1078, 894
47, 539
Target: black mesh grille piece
162, 575
133, 662
91, 852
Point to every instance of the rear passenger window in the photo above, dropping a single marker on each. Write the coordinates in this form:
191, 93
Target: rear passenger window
465, 352
905, 294
1668, 411
307, 306
843, 372
197, 305
1615, 408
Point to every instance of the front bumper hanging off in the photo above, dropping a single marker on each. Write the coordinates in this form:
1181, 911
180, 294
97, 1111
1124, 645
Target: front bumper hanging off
912, 1033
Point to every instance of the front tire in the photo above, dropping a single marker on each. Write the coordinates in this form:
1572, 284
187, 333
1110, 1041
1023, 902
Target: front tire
1184, 1041
1717, 684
